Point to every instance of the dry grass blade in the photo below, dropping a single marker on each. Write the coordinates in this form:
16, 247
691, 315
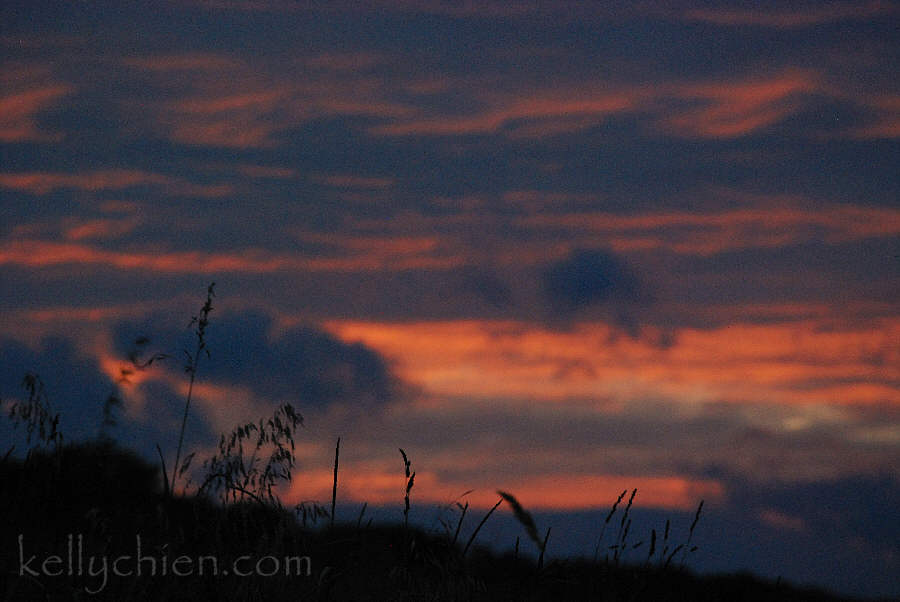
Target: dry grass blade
337, 453
478, 528
462, 515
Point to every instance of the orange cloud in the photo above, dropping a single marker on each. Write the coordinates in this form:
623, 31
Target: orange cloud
362, 483
780, 364
37, 253
710, 233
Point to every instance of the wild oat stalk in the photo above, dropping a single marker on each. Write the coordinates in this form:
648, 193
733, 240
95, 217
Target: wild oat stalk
687, 546
236, 474
624, 527
410, 479
201, 321
606, 522
525, 518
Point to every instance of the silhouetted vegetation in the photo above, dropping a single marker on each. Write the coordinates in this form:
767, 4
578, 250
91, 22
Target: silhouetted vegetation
92, 520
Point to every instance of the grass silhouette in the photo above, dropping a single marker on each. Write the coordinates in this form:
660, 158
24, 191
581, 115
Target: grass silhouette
93, 520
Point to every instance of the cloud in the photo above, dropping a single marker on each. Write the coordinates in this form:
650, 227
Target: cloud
736, 108
267, 172
706, 109
793, 363
42, 183
19, 112
538, 115
792, 17
489, 287
74, 385
42, 253
588, 277
773, 222
354, 181
884, 121
221, 101
100, 229
301, 365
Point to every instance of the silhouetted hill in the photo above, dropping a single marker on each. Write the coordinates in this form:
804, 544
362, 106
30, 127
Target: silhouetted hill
91, 521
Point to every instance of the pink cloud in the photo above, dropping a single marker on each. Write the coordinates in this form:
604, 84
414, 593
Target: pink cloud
594, 106
736, 108
19, 111
41, 182
885, 120
42, 253
354, 181
100, 229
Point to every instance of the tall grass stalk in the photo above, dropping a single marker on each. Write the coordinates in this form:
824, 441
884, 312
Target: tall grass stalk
202, 321
337, 455
609, 516
527, 521
480, 525
410, 480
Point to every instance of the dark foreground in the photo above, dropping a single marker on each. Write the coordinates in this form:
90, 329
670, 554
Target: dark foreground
91, 522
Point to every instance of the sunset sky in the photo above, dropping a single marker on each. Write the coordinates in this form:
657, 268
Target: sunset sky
556, 248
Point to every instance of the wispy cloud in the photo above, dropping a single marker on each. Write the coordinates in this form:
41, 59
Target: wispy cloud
884, 118
19, 113
225, 102
710, 109
41, 182
354, 181
98, 229
736, 108
41, 253
543, 114
702, 233
790, 363
790, 17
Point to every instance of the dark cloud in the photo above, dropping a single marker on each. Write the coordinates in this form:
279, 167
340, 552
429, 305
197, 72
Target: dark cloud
595, 278
76, 389
74, 386
303, 365
842, 533
589, 276
490, 288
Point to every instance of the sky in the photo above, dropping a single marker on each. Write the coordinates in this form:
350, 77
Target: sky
555, 248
